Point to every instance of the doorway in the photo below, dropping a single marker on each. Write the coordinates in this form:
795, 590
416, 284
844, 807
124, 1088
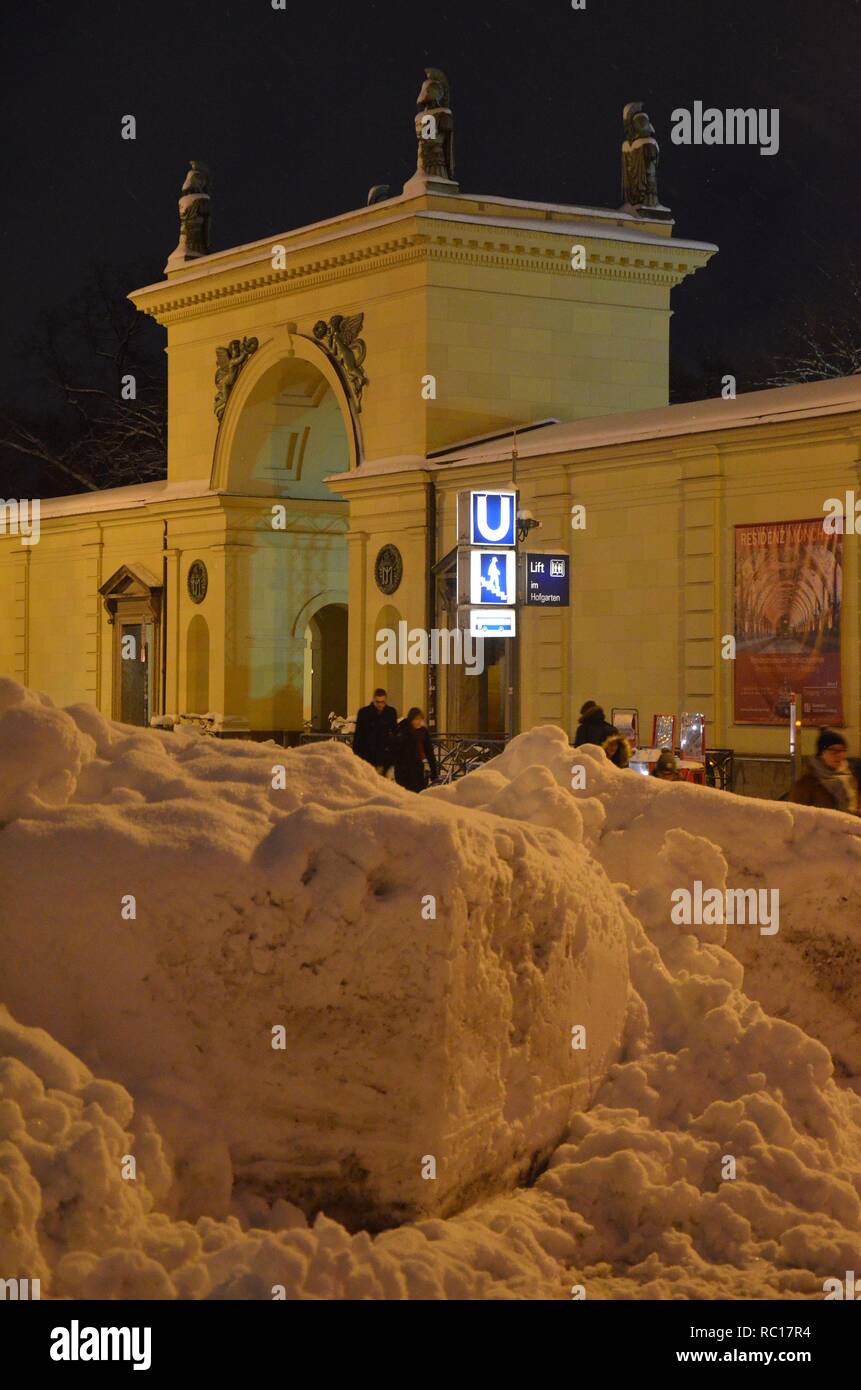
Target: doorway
133, 600
137, 684
470, 704
325, 685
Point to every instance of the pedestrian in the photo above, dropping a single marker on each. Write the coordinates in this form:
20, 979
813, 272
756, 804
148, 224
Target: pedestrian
831, 780
415, 762
374, 738
592, 726
618, 749
666, 767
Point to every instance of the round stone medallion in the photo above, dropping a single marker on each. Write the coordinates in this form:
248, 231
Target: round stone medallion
388, 569
198, 582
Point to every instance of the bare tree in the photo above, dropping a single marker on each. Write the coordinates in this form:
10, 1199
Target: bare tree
98, 376
828, 340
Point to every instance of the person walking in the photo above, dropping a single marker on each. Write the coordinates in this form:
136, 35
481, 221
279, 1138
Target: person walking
618, 749
666, 768
415, 761
374, 738
592, 726
831, 780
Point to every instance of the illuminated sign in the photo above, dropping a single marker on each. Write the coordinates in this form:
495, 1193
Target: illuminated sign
547, 580
493, 518
492, 577
492, 622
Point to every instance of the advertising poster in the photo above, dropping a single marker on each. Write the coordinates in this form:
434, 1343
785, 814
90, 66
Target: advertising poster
788, 590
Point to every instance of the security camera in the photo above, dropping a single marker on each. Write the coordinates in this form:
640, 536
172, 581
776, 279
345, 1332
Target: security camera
525, 523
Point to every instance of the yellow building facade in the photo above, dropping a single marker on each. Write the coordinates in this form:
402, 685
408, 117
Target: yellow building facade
369, 367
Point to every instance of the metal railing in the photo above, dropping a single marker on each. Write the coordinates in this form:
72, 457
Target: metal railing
457, 754
720, 768
308, 737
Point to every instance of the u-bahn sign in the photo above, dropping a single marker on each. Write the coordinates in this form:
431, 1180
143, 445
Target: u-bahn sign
487, 562
490, 577
487, 518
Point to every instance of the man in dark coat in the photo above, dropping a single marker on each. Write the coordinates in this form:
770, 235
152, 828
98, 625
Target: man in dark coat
593, 726
373, 740
832, 779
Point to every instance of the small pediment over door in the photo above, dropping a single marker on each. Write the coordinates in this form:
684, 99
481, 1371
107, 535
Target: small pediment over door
133, 582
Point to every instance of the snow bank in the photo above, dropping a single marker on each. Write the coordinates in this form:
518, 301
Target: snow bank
633, 1204
718, 1157
657, 836
334, 992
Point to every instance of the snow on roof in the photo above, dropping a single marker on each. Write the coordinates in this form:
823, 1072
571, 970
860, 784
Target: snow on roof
594, 230
779, 405
119, 499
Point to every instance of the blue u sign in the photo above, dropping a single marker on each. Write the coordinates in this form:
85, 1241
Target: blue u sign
494, 518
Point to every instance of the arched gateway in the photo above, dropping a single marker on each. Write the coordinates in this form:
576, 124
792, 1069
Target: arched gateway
330, 391
286, 425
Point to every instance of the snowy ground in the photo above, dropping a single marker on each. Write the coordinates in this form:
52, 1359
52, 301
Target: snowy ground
239, 886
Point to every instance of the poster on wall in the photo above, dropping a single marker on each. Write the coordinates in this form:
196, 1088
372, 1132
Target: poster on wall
788, 591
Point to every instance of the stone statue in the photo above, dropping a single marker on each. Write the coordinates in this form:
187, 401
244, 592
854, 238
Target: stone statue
340, 338
640, 155
435, 127
231, 360
194, 216
378, 194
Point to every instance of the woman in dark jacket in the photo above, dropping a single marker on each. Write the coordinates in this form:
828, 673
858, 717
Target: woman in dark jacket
593, 726
415, 760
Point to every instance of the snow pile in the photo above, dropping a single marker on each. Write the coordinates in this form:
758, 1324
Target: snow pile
325, 989
657, 836
717, 1158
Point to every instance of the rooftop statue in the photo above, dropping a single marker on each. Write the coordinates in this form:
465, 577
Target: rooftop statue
640, 157
194, 216
435, 127
435, 133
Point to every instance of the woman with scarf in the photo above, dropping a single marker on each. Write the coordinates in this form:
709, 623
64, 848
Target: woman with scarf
831, 780
415, 762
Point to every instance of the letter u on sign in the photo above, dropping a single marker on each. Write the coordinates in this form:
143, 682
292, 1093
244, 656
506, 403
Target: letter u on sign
493, 518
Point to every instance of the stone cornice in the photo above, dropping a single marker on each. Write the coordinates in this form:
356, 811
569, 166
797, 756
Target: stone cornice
515, 249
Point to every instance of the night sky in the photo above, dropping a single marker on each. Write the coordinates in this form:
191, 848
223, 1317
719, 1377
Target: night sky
297, 113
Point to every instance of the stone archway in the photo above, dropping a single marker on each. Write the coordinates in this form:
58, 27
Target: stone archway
288, 425
291, 387
326, 665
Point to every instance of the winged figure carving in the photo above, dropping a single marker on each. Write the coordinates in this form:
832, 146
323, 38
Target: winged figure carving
229, 363
340, 338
